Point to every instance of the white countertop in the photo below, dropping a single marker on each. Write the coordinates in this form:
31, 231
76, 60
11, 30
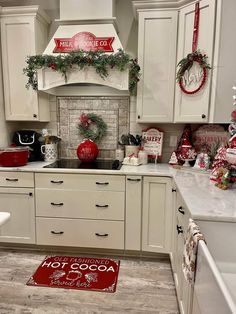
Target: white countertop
203, 199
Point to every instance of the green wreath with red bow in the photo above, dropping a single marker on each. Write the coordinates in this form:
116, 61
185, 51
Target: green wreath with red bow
186, 64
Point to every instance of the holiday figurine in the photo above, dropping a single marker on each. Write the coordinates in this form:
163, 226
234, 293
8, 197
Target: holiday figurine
224, 169
173, 159
186, 151
202, 161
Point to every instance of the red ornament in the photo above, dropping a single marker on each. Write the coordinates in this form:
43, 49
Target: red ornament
87, 151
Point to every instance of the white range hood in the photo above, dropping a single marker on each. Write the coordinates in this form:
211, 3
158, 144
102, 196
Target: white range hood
94, 21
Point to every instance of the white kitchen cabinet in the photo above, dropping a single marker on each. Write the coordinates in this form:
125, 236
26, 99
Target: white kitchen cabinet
180, 224
224, 63
17, 198
80, 210
157, 37
133, 213
23, 33
157, 214
195, 108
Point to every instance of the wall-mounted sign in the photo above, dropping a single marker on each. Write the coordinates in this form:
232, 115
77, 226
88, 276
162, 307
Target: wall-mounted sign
83, 41
152, 142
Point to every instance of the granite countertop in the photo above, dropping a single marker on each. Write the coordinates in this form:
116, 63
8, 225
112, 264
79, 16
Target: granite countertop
203, 199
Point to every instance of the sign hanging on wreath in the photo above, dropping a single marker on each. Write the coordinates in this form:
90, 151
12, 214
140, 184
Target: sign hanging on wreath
193, 69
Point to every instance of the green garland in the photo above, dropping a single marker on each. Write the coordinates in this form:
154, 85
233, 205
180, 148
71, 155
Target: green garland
95, 133
101, 61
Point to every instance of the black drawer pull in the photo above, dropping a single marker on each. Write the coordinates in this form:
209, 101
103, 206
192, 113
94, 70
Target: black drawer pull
57, 232
180, 209
173, 190
179, 229
134, 180
102, 206
57, 182
102, 183
101, 235
12, 180
57, 204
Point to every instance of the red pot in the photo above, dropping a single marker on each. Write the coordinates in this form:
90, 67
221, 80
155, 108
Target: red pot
87, 151
14, 156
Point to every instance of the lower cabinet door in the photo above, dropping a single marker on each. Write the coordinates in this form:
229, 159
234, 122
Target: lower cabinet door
80, 233
157, 214
19, 202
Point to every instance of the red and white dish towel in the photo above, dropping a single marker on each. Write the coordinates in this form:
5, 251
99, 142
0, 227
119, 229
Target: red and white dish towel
193, 235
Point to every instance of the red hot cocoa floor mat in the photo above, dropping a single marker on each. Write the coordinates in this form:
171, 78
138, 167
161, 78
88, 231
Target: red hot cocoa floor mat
85, 273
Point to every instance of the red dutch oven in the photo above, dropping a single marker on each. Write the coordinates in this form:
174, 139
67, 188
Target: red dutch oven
14, 156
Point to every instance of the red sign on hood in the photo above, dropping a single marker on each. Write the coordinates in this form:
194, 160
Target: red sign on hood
83, 41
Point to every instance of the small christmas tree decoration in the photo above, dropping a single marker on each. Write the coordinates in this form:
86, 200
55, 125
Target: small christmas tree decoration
186, 151
173, 159
219, 163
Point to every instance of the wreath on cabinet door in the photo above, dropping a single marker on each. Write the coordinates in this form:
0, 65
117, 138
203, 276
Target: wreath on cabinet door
92, 126
184, 75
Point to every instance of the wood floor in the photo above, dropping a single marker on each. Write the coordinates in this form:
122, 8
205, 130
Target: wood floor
143, 286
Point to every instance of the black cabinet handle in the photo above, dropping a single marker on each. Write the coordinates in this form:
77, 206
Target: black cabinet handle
102, 206
12, 180
203, 116
179, 229
101, 235
138, 116
30, 194
57, 204
134, 180
173, 190
57, 232
57, 182
180, 209
102, 183
34, 115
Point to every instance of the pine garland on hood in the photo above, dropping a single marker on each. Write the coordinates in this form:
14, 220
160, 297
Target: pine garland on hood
64, 63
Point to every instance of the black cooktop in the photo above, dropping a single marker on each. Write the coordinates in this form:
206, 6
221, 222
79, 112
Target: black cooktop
77, 164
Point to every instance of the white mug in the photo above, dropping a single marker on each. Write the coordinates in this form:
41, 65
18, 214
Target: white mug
49, 151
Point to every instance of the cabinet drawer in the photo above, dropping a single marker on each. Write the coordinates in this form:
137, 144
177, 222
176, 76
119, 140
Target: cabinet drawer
80, 233
17, 179
80, 204
80, 181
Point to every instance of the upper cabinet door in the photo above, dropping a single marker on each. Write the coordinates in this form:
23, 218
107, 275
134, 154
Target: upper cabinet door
157, 58
22, 34
195, 108
18, 43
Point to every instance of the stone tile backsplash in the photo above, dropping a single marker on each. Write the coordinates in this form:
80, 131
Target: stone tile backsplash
113, 110
119, 112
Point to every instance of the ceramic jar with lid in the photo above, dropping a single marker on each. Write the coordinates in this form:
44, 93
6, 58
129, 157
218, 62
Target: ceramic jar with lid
143, 157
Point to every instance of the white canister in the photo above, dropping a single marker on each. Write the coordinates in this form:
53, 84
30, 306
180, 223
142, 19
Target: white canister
120, 154
49, 151
143, 157
131, 150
